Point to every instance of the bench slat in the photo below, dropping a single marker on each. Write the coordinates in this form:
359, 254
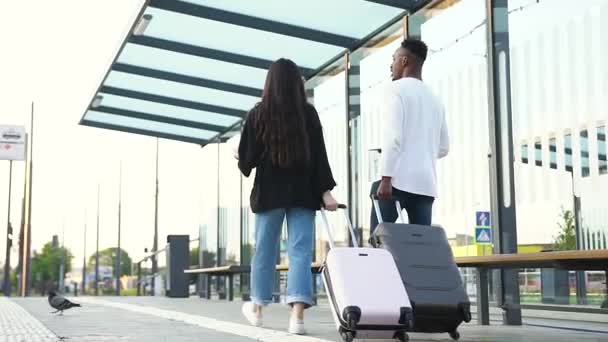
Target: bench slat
585, 260
219, 269
588, 260
241, 269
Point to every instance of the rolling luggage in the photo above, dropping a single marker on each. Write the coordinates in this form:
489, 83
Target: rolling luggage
430, 275
365, 292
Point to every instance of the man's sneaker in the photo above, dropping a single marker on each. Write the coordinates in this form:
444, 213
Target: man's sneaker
296, 326
248, 311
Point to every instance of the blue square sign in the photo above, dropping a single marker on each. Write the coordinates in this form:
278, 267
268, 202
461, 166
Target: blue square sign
483, 236
482, 219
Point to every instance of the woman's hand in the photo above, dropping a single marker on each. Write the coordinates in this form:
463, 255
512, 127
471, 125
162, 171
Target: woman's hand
329, 201
235, 151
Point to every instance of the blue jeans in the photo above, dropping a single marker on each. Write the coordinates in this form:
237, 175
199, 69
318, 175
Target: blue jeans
268, 226
419, 208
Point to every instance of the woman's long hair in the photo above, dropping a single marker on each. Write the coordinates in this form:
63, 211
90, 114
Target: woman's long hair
281, 123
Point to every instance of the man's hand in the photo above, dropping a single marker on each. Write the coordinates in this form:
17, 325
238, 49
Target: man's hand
385, 189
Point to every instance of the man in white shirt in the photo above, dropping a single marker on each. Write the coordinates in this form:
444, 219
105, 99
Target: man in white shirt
414, 137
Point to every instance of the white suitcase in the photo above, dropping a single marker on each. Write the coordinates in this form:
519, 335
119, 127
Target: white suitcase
365, 291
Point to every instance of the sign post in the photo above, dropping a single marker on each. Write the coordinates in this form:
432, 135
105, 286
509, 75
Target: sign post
12, 142
483, 229
12, 147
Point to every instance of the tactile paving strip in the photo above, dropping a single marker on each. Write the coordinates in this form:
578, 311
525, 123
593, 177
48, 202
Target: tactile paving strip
17, 325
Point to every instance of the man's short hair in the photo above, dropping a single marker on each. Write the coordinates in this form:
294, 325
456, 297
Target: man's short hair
416, 47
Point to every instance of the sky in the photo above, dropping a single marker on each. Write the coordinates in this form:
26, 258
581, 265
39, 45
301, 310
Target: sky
55, 54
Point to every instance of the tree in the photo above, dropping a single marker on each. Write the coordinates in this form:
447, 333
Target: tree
194, 256
107, 257
209, 259
14, 285
247, 254
12, 279
45, 267
566, 239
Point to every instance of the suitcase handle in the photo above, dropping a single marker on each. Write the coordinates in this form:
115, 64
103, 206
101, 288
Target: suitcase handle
353, 236
375, 199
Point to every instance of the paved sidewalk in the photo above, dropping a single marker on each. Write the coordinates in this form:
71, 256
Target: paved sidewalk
17, 325
93, 323
164, 319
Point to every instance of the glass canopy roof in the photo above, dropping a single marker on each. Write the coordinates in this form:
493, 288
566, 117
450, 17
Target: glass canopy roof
189, 70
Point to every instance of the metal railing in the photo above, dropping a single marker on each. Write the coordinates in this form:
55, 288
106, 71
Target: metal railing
149, 283
146, 280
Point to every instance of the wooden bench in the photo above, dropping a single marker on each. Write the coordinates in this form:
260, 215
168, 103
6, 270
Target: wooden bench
315, 267
228, 271
231, 270
570, 260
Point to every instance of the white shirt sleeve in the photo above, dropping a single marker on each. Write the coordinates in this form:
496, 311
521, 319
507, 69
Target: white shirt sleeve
444, 139
392, 116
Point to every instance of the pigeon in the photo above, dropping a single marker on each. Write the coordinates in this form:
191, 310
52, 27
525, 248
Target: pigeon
60, 303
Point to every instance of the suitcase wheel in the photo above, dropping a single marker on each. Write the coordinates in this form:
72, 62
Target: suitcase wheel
351, 315
402, 336
466, 312
347, 336
467, 316
455, 335
352, 322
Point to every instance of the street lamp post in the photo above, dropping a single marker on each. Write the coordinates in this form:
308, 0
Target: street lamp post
139, 278
25, 236
118, 251
27, 246
84, 257
9, 236
155, 242
581, 282
62, 264
97, 249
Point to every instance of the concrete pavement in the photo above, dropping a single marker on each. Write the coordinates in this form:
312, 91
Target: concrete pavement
193, 319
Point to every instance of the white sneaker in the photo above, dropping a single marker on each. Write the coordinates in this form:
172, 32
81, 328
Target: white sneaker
248, 310
296, 326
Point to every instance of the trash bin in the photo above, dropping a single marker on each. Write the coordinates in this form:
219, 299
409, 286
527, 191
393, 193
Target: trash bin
178, 255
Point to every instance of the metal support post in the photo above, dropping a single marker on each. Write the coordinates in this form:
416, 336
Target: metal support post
501, 158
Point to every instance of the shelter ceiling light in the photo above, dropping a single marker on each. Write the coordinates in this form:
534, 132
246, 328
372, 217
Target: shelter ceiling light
97, 101
141, 26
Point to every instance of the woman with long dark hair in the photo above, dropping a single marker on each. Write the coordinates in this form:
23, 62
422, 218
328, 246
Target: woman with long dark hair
283, 140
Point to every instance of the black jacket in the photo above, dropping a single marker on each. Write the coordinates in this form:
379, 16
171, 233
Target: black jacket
293, 187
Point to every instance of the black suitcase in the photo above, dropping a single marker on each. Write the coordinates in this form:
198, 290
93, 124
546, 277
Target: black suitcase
432, 279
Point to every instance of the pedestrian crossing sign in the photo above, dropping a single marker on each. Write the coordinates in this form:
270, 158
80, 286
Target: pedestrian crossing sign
482, 219
483, 235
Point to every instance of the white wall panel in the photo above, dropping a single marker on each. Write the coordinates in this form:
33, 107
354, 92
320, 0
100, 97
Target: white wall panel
330, 103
